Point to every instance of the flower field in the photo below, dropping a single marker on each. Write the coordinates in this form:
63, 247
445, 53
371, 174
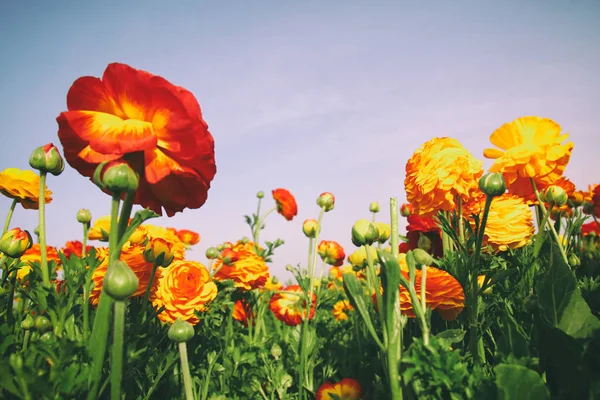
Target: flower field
491, 292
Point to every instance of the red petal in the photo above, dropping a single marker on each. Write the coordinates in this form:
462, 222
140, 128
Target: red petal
89, 94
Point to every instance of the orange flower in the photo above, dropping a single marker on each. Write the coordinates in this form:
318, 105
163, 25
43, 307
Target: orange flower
442, 293
509, 224
247, 270
74, 247
428, 227
531, 147
24, 186
286, 203
331, 252
147, 232
289, 305
133, 256
437, 173
340, 308
272, 285
33, 255
155, 126
242, 311
184, 288
188, 237
346, 389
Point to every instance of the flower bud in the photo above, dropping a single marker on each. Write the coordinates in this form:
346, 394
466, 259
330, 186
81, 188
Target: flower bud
406, 210
181, 331
574, 261
276, 351
364, 232
15, 242
116, 176
492, 184
385, 231
326, 201
374, 207
576, 199
289, 268
120, 281
159, 251
84, 216
27, 323
244, 240
359, 257
588, 208
260, 194
47, 159
424, 242
42, 323
229, 257
422, 257
310, 227
16, 362
555, 195
212, 253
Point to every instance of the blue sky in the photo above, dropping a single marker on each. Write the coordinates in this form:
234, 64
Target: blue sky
306, 95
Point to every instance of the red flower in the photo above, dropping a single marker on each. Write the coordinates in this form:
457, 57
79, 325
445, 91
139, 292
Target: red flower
289, 305
331, 252
590, 227
346, 389
75, 247
286, 203
188, 237
418, 226
155, 126
242, 311
596, 201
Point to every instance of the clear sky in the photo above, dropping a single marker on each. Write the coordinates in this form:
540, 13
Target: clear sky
311, 96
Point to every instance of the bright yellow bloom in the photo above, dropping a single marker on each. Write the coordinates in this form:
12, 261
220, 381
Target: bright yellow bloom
531, 147
439, 172
24, 186
100, 229
147, 232
184, 288
340, 308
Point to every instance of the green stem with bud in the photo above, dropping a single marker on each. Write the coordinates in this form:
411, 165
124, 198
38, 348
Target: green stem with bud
9, 216
42, 229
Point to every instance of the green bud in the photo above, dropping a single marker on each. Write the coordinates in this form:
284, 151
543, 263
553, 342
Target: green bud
374, 207
16, 362
47, 159
424, 242
120, 281
15, 242
574, 261
27, 323
245, 240
42, 323
385, 230
260, 194
212, 253
116, 176
422, 257
588, 208
556, 196
492, 184
181, 331
310, 228
84, 216
276, 351
286, 381
364, 232
326, 201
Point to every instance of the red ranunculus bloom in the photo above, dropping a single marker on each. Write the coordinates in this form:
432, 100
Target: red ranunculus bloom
286, 203
418, 225
155, 126
75, 247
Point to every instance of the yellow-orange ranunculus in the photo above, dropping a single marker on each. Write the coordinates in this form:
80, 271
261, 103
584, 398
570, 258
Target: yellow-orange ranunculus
529, 148
33, 255
23, 186
439, 172
346, 389
185, 287
359, 257
443, 292
272, 284
147, 232
331, 252
157, 247
340, 310
286, 203
189, 238
242, 311
100, 229
509, 223
289, 305
133, 256
247, 270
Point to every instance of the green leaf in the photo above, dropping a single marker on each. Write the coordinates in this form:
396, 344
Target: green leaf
560, 298
450, 336
355, 293
390, 280
518, 382
512, 339
139, 218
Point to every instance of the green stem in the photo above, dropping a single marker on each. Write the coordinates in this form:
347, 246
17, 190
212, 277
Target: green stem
9, 216
86, 311
394, 223
461, 223
258, 228
86, 228
116, 368
147, 294
424, 324
551, 226
42, 229
10, 299
185, 371
25, 340
254, 228
125, 214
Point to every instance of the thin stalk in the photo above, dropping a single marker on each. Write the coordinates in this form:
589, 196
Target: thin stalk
394, 226
147, 294
424, 324
116, 367
86, 228
10, 299
9, 216
86, 285
125, 214
461, 223
258, 226
254, 229
185, 371
42, 229
26, 340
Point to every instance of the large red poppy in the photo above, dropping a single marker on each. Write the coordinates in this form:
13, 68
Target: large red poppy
155, 126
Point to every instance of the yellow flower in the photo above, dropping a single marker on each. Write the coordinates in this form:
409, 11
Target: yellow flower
437, 173
184, 288
100, 229
531, 147
359, 257
24, 186
145, 233
340, 308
